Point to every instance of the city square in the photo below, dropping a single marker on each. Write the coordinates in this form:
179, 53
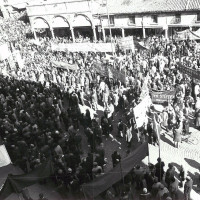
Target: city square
100, 99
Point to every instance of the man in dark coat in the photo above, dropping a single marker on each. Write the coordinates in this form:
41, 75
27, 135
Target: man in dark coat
188, 187
116, 158
169, 174
159, 169
173, 188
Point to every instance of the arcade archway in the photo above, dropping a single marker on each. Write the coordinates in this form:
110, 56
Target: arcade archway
61, 27
41, 27
83, 28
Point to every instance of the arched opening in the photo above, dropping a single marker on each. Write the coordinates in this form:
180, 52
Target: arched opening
61, 27
41, 27
82, 28
135, 32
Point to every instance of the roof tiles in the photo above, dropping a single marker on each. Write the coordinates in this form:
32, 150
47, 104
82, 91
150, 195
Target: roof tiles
149, 6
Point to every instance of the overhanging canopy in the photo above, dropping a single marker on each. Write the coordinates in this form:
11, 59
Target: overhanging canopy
104, 182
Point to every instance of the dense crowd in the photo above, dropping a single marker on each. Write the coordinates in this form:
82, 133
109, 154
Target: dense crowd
41, 109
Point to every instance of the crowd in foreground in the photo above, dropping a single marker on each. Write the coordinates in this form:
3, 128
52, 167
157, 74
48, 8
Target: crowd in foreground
41, 114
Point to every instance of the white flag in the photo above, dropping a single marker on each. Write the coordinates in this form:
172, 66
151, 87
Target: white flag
4, 157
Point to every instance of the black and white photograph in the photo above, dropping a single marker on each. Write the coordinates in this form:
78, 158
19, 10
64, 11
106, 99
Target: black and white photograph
99, 99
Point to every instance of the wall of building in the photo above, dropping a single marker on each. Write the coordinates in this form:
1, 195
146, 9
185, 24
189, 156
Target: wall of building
64, 14
84, 13
164, 21
122, 21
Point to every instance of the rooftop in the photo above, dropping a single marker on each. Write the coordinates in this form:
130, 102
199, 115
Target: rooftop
148, 6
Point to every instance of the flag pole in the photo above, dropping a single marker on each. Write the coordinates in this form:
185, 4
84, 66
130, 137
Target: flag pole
121, 177
109, 27
159, 158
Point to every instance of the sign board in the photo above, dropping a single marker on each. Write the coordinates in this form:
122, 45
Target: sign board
126, 43
4, 52
162, 96
140, 111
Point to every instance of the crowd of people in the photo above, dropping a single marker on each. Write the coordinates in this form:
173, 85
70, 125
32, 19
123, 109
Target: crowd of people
152, 183
42, 108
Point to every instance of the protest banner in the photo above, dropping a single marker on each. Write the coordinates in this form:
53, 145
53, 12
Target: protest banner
140, 111
64, 65
109, 72
99, 67
193, 73
120, 75
126, 43
84, 47
162, 96
4, 52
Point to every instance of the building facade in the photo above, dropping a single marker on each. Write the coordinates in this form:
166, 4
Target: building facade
139, 18
65, 18
145, 25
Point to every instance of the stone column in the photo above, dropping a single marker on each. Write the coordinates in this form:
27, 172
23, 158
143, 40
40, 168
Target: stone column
104, 34
94, 33
34, 33
72, 32
166, 34
52, 33
4, 12
123, 33
144, 32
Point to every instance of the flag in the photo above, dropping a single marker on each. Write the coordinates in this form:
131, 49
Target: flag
156, 128
102, 183
140, 111
4, 52
4, 156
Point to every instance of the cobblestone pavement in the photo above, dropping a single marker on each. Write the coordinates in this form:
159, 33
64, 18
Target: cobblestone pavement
188, 155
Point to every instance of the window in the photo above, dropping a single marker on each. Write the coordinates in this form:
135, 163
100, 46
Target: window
177, 18
198, 17
132, 19
154, 19
111, 19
